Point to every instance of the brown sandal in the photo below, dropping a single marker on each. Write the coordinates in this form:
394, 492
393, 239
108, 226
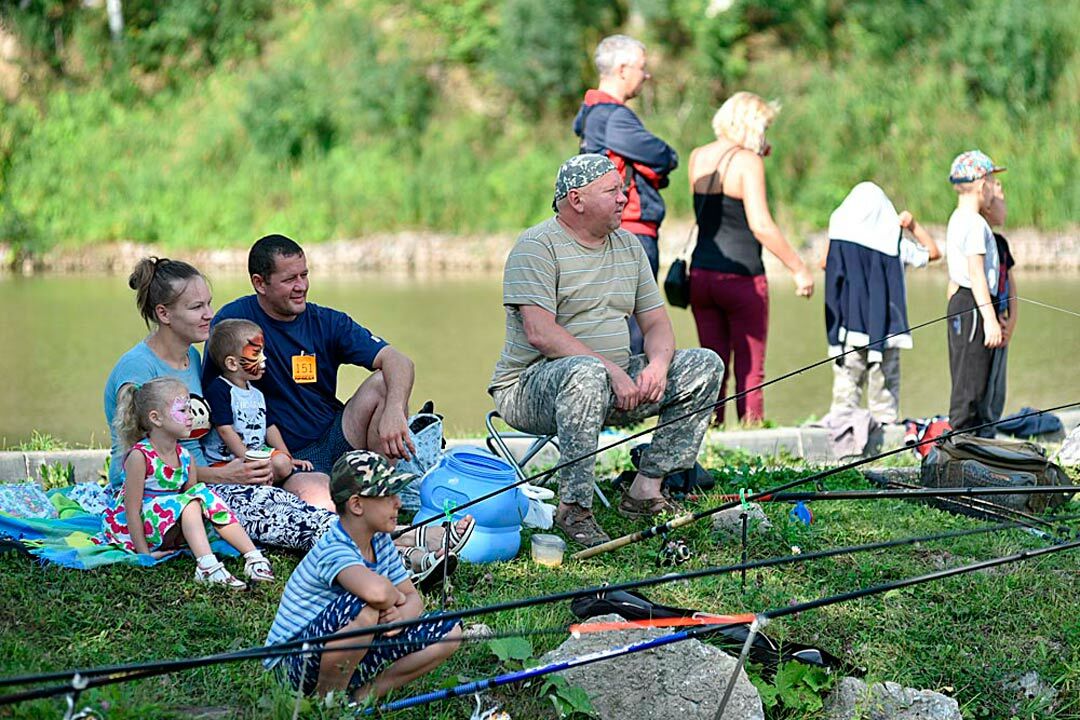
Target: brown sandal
630, 507
580, 526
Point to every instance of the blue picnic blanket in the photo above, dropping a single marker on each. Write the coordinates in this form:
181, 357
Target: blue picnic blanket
66, 537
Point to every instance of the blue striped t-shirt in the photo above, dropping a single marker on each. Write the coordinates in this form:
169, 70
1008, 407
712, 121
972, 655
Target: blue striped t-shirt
313, 584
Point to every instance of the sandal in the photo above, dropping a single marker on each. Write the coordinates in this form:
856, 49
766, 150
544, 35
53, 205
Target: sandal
216, 574
258, 569
457, 539
430, 574
635, 509
580, 526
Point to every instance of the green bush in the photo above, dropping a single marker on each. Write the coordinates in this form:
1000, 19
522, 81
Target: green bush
544, 50
184, 35
1014, 50
285, 116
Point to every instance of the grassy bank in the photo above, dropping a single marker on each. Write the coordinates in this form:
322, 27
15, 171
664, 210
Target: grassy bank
337, 119
966, 636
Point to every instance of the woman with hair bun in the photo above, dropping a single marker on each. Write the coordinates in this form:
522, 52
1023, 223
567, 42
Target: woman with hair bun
729, 294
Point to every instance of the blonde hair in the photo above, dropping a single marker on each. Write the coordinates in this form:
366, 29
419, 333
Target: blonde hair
228, 338
134, 403
743, 119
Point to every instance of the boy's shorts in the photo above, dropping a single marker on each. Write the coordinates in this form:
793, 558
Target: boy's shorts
302, 670
325, 451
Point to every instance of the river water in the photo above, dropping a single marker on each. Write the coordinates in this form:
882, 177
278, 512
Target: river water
61, 336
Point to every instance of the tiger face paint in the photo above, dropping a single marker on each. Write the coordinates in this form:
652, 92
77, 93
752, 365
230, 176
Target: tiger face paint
252, 358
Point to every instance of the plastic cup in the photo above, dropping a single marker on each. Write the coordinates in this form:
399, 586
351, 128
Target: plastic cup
256, 455
548, 550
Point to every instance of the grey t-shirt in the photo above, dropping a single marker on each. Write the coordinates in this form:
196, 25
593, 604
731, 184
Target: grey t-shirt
591, 292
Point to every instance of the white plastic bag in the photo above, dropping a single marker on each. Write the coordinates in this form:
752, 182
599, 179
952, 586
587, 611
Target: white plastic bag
540, 514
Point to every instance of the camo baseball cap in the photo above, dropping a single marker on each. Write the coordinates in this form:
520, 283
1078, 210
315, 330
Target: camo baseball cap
367, 474
579, 171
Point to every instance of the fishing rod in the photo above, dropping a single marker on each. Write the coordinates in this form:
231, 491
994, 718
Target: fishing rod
760, 620
689, 517
977, 507
918, 493
518, 676
121, 673
709, 407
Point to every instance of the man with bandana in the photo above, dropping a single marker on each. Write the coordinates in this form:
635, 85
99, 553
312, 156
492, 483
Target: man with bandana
570, 283
305, 344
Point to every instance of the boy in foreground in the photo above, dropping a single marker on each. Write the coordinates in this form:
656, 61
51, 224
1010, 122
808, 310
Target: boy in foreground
974, 266
354, 579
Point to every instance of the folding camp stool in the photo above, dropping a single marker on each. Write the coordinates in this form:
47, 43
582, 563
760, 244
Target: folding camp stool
496, 442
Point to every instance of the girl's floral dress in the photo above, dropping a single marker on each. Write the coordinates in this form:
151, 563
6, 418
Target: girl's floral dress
163, 500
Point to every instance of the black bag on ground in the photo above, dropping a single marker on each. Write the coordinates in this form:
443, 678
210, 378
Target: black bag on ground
677, 284
682, 482
764, 650
968, 461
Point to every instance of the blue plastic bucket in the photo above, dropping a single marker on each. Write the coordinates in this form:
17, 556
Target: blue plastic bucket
466, 473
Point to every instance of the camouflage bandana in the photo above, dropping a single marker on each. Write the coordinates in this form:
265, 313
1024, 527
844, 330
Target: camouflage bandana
579, 171
367, 474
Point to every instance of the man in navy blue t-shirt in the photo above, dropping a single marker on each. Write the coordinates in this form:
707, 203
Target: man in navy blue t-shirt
305, 344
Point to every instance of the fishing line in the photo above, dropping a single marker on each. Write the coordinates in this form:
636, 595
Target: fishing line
119, 673
543, 475
1048, 305
687, 518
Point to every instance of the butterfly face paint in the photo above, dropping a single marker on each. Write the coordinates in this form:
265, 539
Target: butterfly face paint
252, 359
180, 410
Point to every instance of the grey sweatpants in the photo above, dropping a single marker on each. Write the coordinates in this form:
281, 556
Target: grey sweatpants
852, 374
572, 397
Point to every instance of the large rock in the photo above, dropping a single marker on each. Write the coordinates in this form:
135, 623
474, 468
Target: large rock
852, 699
683, 680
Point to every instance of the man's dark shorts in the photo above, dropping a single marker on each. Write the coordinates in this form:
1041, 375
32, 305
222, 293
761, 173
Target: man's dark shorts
302, 670
325, 451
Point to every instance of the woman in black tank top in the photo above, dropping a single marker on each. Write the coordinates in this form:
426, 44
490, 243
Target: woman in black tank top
728, 290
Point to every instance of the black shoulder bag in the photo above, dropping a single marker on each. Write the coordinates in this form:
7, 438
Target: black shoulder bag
677, 280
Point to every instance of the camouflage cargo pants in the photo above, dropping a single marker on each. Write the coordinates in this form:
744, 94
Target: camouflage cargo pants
852, 373
572, 397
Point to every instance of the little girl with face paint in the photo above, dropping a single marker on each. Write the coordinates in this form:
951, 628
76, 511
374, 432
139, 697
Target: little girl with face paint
161, 504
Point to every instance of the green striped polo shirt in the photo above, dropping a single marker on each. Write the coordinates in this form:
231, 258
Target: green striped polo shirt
591, 292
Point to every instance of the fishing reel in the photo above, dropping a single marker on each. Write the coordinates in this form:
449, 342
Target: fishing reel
673, 552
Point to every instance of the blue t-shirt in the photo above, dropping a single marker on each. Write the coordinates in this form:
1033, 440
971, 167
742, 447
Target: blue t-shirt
302, 411
242, 408
139, 365
313, 584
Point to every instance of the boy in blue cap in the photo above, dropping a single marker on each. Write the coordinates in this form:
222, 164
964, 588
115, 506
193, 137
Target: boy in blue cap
354, 579
974, 331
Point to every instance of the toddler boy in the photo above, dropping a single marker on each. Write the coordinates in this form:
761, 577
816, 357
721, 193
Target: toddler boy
237, 407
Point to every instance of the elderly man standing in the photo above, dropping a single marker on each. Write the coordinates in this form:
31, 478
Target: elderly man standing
569, 286
608, 127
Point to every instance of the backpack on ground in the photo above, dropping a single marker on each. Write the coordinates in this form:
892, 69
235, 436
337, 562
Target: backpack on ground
968, 461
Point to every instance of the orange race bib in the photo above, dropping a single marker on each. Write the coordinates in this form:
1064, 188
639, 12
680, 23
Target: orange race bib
303, 368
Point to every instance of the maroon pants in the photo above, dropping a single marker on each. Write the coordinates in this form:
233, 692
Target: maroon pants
732, 316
